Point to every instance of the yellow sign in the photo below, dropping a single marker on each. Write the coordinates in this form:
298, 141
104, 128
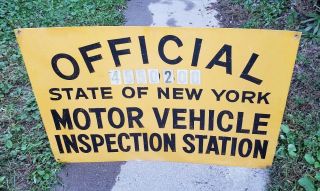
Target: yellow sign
197, 95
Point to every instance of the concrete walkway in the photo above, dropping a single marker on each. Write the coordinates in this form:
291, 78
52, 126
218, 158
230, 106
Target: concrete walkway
192, 13
163, 176
149, 175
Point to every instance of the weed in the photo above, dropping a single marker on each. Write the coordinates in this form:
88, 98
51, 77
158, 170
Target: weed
312, 25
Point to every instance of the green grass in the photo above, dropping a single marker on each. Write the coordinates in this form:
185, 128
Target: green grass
297, 162
26, 162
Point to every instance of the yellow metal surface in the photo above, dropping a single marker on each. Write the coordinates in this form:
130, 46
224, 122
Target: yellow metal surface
272, 56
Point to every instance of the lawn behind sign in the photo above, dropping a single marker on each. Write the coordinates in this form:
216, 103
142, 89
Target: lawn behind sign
26, 162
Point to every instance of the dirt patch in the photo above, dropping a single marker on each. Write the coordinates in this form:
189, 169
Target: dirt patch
230, 16
305, 7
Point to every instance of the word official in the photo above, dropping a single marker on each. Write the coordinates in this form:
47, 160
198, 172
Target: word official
221, 58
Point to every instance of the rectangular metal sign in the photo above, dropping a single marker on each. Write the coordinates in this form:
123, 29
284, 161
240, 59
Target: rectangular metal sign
199, 95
